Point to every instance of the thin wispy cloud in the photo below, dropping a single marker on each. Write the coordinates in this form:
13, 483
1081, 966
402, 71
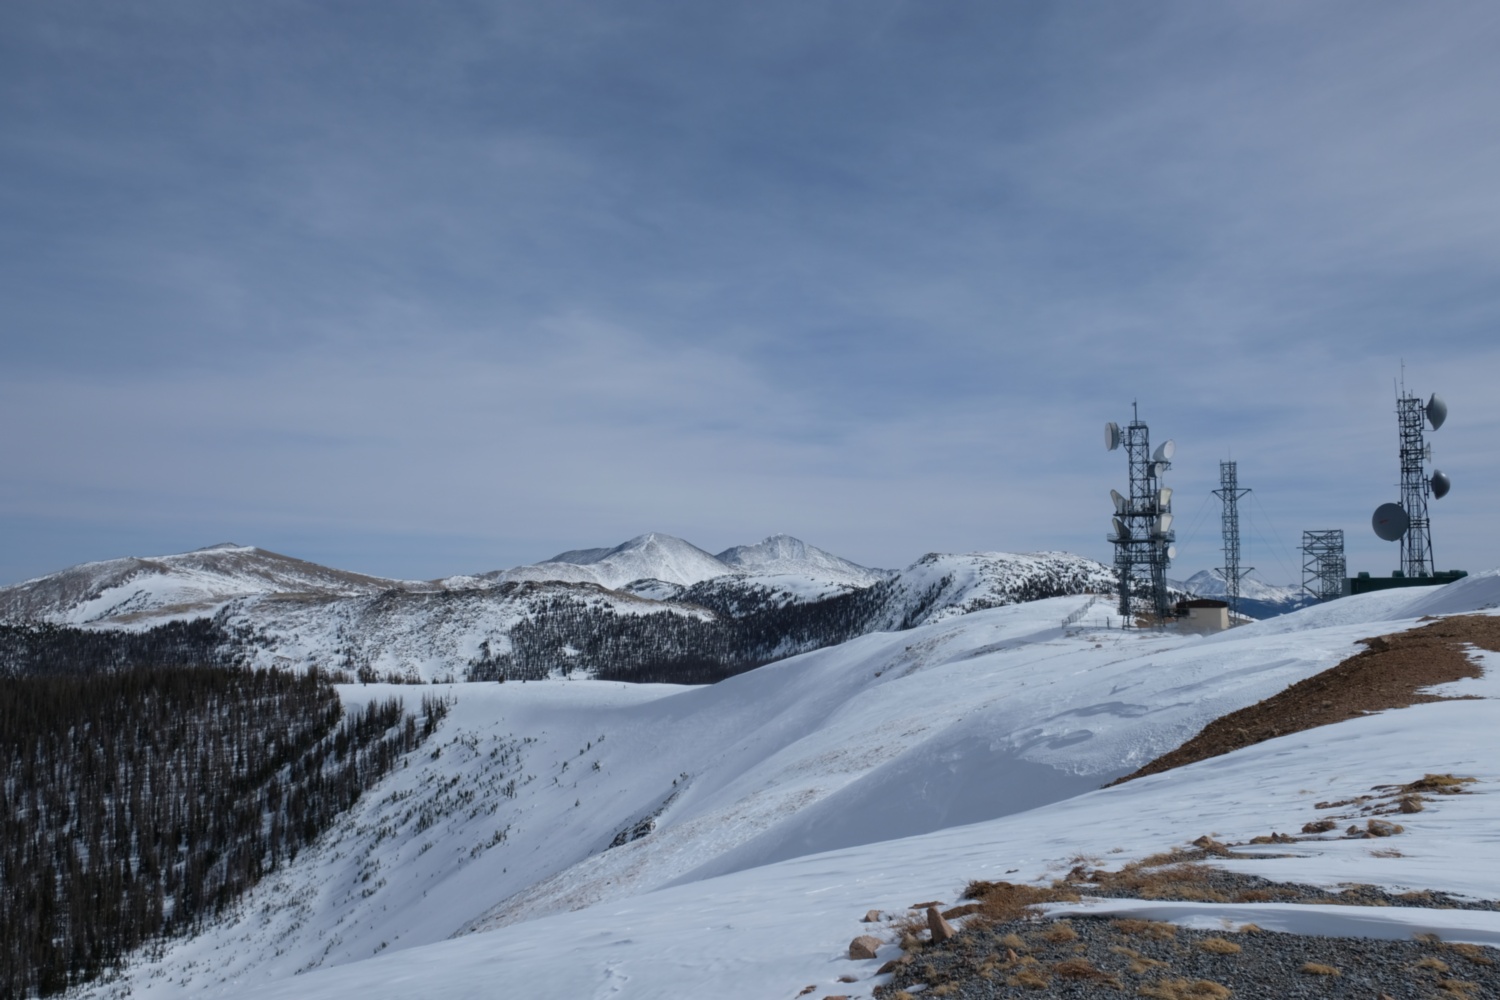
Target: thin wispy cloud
441, 289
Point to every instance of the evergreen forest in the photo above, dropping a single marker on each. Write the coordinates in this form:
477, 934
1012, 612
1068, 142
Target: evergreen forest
137, 801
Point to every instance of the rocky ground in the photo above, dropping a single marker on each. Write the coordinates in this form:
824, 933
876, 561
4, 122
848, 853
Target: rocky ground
1101, 958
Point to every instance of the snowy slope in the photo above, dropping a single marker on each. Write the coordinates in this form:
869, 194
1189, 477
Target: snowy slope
189, 584
771, 931
731, 792
940, 586
417, 636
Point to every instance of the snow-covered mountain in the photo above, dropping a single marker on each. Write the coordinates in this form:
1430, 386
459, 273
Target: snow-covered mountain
726, 840
675, 562
186, 585
651, 556
1258, 599
783, 555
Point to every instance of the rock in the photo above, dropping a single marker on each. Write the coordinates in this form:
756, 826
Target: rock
872, 917
865, 946
941, 929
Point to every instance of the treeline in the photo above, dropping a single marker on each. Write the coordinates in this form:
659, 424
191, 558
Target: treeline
136, 804
46, 650
745, 632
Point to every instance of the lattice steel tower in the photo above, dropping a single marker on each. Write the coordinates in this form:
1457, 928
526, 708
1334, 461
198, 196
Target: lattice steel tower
1407, 521
1323, 563
1229, 492
1143, 533
1416, 544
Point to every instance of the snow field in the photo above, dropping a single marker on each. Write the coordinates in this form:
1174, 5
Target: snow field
981, 739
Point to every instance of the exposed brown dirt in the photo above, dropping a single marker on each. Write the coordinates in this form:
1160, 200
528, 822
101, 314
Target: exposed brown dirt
1390, 673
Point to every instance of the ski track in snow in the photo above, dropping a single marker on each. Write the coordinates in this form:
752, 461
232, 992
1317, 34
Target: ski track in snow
982, 740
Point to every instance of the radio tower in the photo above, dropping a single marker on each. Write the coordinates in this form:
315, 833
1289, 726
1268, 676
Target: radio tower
1407, 521
1416, 544
1143, 533
1229, 491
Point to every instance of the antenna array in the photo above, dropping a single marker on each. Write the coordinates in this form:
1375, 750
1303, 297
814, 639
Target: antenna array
1229, 491
1142, 524
1407, 521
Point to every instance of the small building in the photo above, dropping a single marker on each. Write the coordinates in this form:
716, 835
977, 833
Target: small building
1202, 615
1364, 583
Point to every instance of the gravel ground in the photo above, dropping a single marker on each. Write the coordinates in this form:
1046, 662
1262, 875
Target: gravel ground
1088, 958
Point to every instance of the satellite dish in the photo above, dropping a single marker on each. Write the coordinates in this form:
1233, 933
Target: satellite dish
1441, 484
1157, 469
1119, 501
1111, 436
1164, 451
1171, 552
1164, 524
1427, 452
1120, 531
1164, 497
1390, 521
1437, 411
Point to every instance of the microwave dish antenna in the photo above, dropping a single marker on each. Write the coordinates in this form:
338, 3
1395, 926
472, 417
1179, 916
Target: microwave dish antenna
1436, 410
1390, 522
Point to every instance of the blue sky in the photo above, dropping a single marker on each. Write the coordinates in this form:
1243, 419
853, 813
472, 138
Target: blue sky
419, 289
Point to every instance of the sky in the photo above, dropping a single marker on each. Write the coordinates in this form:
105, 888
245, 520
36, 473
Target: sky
425, 289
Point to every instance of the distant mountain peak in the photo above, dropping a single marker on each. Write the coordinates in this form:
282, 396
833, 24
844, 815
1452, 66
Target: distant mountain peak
783, 555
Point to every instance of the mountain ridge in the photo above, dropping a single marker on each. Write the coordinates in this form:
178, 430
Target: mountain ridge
650, 630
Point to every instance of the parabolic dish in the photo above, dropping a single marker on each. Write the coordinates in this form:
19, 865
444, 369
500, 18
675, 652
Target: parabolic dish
1165, 451
1437, 411
1171, 552
1441, 484
1111, 436
1120, 531
1390, 521
1119, 501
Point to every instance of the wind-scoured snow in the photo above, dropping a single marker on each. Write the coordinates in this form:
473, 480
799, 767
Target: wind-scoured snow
752, 821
